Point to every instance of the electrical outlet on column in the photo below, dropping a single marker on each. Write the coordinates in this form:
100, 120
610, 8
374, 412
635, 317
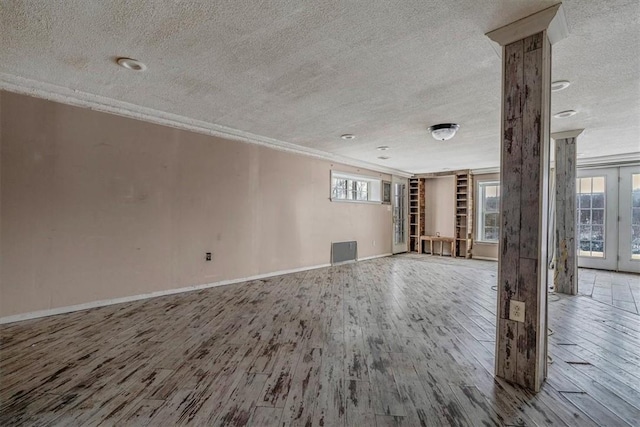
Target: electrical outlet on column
516, 311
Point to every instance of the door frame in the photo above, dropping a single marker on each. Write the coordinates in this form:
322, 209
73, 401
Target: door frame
400, 214
610, 259
625, 262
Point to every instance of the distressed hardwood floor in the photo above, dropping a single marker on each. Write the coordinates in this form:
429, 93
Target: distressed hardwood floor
619, 289
400, 341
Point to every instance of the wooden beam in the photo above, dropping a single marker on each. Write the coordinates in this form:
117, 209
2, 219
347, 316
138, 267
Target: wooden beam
566, 262
521, 327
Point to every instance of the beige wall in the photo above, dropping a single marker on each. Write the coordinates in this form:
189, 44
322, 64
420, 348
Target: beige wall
440, 207
96, 206
483, 250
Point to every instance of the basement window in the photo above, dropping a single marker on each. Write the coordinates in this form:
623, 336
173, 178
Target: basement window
354, 188
488, 211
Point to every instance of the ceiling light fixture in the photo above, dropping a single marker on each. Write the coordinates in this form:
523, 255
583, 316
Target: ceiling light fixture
565, 114
557, 86
444, 131
131, 64
384, 158
383, 148
348, 136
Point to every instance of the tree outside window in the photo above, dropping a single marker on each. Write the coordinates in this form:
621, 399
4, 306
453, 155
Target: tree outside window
489, 211
349, 189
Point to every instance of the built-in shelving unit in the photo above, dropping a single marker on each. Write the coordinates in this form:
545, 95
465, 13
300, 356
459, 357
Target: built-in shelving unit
464, 214
416, 212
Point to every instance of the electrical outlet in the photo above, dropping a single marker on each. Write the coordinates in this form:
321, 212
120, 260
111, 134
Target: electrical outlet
516, 311
374, 243
208, 256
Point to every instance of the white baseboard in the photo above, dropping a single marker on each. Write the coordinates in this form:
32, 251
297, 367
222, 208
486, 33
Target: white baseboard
484, 258
375, 256
105, 302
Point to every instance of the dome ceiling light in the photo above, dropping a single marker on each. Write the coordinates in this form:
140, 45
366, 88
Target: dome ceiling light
444, 131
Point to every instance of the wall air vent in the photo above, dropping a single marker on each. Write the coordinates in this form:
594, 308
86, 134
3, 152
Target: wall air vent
342, 252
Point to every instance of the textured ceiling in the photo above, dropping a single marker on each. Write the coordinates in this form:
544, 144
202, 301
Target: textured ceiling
307, 72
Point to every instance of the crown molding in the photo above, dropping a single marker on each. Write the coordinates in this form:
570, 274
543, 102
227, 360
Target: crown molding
76, 98
482, 171
589, 162
612, 160
552, 20
566, 134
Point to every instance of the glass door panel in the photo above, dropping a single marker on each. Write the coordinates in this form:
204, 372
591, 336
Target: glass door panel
629, 219
399, 203
591, 216
596, 216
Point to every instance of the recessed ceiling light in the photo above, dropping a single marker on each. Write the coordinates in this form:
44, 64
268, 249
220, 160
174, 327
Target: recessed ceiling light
383, 148
565, 114
348, 136
131, 64
444, 131
557, 86
384, 158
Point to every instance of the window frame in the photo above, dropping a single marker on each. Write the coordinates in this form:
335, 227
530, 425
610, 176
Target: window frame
480, 220
373, 188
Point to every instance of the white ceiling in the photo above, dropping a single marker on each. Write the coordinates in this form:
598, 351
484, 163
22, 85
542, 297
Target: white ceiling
306, 72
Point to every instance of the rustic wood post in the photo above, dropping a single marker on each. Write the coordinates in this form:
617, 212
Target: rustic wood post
566, 263
521, 336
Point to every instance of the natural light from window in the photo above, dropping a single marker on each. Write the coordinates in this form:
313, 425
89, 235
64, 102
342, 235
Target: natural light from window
635, 216
489, 211
591, 203
354, 188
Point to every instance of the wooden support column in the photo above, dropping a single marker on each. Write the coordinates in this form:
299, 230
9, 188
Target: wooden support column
521, 341
566, 262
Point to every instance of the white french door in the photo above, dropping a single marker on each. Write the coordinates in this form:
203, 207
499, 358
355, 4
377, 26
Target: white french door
399, 202
629, 203
597, 218
608, 218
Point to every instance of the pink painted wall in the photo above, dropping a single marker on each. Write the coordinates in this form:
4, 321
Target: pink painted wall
440, 212
96, 206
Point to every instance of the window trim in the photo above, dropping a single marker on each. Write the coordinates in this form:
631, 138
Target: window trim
479, 222
374, 187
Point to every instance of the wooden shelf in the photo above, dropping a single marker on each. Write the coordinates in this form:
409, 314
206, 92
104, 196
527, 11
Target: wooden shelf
464, 217
416, 212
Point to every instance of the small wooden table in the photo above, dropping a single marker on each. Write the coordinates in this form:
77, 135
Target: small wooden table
440, 239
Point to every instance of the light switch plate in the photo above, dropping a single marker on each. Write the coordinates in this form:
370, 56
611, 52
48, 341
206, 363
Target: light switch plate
516, 311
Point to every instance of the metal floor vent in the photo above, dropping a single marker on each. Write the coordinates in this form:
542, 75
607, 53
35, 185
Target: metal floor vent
344, 252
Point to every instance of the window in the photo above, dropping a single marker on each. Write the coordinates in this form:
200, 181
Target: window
591, 216
349, 189
488, 211
354, 188
635, 216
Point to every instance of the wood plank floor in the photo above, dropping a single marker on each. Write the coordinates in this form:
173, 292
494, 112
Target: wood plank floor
619, 289
399, 341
